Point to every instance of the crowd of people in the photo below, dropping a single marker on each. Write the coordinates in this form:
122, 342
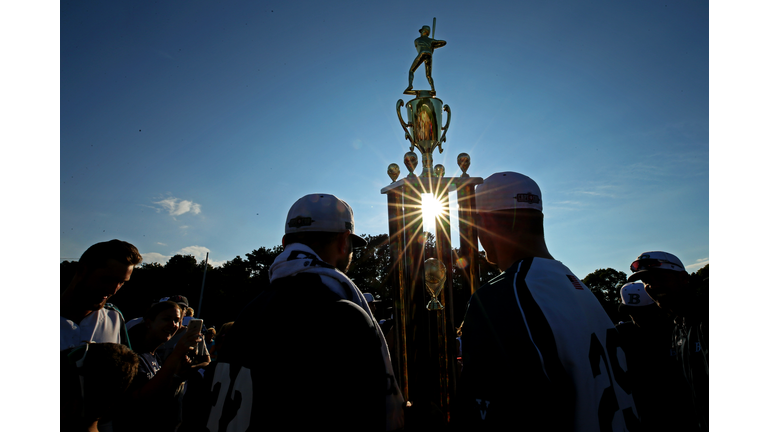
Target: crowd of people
537, 349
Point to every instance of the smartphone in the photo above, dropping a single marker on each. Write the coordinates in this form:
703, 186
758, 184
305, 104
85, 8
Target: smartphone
195, 326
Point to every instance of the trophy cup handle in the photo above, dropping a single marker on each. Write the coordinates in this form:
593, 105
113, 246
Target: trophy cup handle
447, 109
399, 105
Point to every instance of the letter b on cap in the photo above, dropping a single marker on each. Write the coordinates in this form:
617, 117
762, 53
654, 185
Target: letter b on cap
634, 299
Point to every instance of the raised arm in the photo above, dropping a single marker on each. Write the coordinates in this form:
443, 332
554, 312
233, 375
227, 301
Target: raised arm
438, 43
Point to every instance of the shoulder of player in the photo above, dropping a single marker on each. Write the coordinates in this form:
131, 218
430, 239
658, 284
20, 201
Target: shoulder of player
347, 315
311, 286
506, 277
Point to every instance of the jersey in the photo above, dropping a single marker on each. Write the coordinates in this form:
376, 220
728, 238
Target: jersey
297, 358
661, 395
691, 343
103, 325
540, 353
157, 413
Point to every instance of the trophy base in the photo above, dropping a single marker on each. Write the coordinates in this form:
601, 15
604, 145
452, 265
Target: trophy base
420, 93
435, 304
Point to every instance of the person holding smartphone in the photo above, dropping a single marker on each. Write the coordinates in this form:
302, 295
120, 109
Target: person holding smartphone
199, 357
151, 404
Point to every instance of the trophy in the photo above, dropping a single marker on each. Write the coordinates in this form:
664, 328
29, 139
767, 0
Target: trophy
434, 275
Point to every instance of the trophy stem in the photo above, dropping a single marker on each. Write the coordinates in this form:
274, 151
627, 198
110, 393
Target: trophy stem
426, 163
435, 304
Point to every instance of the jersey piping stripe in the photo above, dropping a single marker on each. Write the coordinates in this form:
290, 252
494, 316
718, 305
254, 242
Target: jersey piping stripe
539, 329
520, 279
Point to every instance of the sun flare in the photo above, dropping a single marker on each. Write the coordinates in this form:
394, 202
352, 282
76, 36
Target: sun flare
430, 209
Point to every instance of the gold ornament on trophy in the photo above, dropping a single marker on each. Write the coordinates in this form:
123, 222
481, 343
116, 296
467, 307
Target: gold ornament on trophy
393, 171
411, 161
463, 161
434, 279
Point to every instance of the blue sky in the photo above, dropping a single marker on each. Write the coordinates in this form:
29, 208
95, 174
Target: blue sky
629, 115
191, 127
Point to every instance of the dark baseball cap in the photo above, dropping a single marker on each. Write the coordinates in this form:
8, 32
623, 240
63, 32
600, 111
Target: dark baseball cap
178, 299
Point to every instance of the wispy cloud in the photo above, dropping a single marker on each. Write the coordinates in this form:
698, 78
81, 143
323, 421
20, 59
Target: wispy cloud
199, 253
154, 257
177, 207
568, 204
162, 244
605, 193
196, 251
698, 264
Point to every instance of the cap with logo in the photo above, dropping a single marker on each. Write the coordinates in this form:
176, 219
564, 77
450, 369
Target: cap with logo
322, 213
654, 260
633, 294
508, 191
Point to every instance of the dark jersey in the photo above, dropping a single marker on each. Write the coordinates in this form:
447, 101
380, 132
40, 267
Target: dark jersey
540, 353
297, 358
158, 413
691, 339
661, 395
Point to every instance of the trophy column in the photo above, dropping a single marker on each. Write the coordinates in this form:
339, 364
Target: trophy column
425, 337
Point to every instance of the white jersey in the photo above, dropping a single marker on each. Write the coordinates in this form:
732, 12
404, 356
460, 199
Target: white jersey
102, 325
539, 348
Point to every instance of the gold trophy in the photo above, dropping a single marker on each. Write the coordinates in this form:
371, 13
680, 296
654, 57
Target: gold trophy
434, 279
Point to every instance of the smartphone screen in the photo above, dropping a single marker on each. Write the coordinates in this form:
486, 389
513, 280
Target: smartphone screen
195, 326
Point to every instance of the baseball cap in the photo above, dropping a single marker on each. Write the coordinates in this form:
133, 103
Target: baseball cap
508, 190
178, 299
369, 298
633, 294
322, 213
654, 260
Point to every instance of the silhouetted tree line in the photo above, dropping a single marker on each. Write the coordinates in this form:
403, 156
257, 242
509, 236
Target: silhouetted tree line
230, 287
233, 285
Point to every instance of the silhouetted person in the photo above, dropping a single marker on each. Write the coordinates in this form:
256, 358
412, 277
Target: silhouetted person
667, 283
85, 314
539, 351
661, 395
151, 404
94, 379
307, 353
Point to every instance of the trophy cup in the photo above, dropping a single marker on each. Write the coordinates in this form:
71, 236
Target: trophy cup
434, 275
424, 126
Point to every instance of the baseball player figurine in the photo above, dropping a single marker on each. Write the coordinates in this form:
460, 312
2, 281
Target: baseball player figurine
424, 47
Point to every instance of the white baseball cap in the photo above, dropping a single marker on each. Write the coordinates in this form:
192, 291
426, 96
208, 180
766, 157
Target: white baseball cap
633, 294
322, 213
654, 260
508, 190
